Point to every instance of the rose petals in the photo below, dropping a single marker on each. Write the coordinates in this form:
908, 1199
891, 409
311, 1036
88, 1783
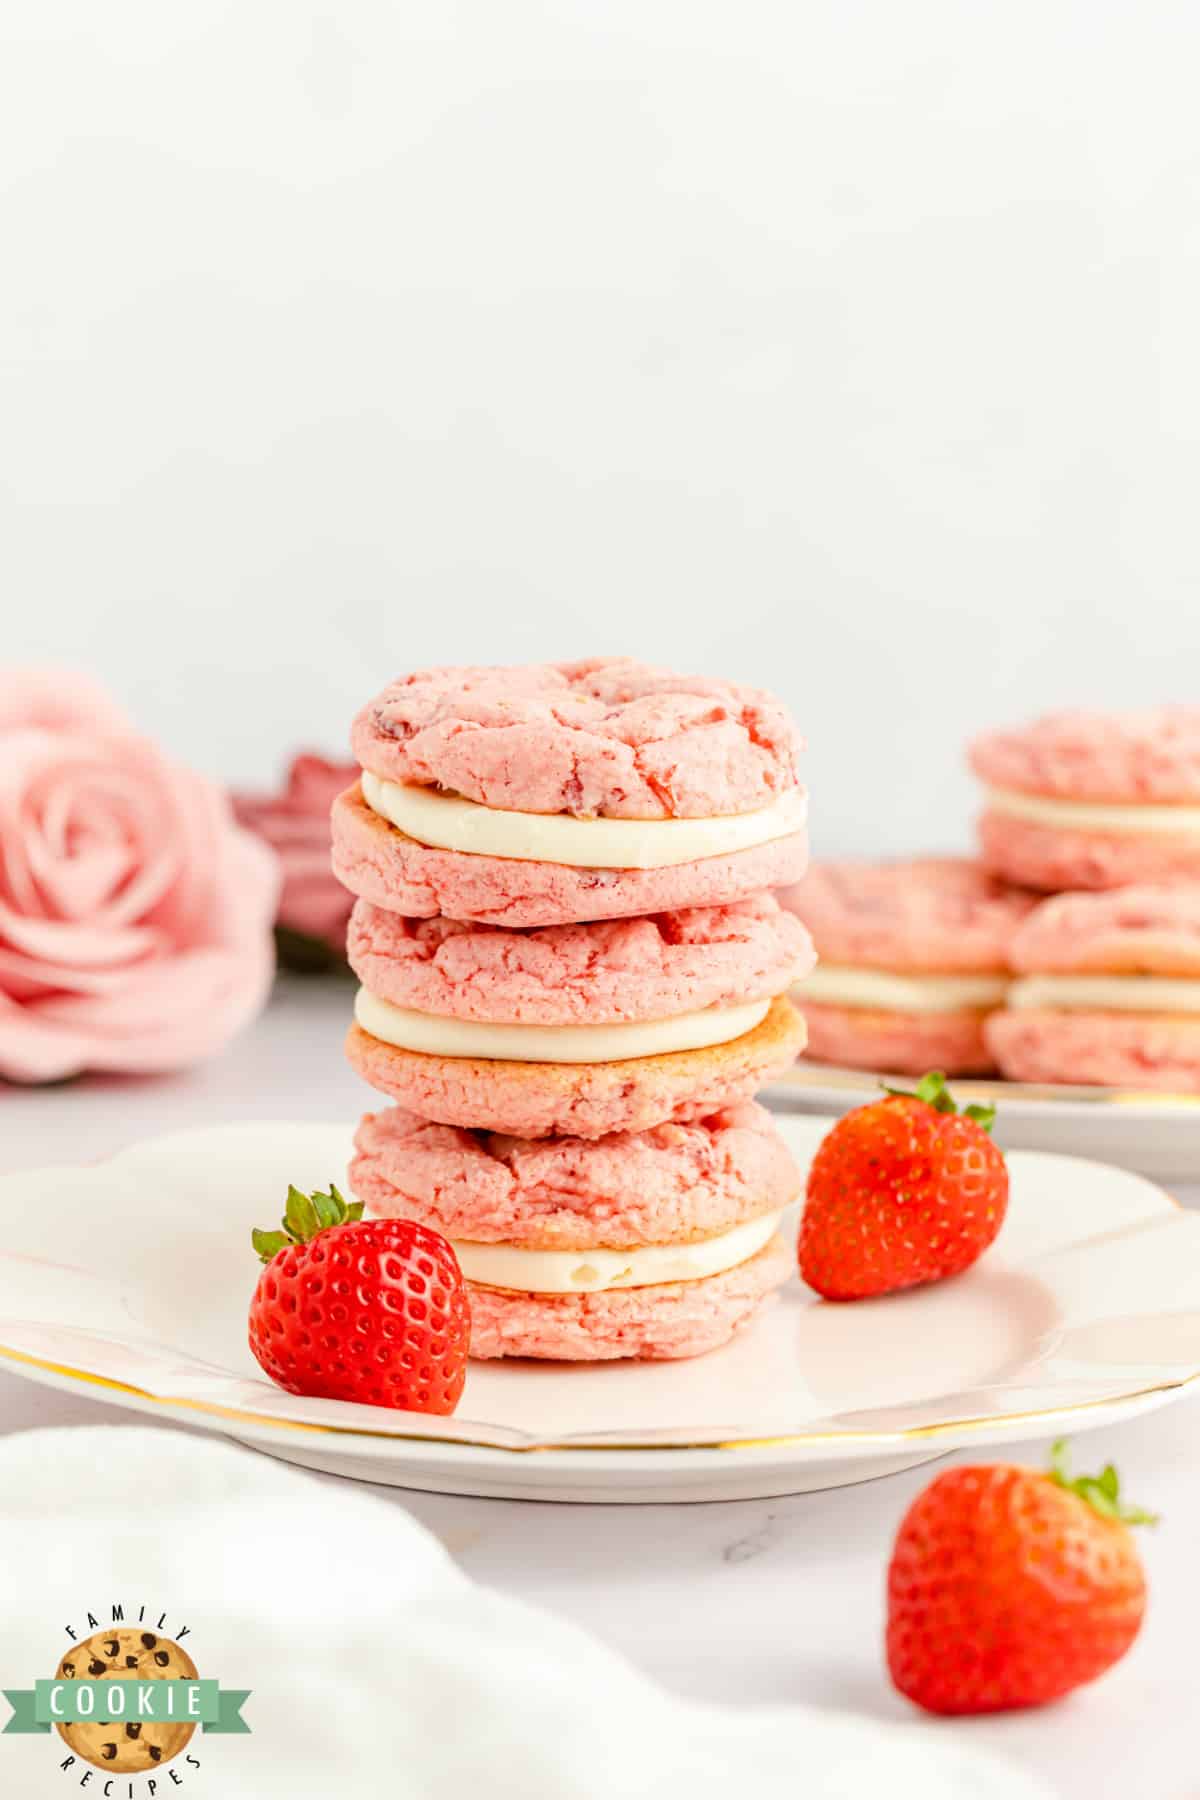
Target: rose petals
134, 913
296, 826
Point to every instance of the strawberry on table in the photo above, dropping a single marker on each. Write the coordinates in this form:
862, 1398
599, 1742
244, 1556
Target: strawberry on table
1009, 1587
904, 1190
372, 1311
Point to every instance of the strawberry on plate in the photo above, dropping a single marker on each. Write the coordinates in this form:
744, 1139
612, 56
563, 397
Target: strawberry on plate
904, 1190
1009, 1587
372, 1311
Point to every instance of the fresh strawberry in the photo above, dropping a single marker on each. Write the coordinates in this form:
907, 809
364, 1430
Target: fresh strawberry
904, 1190
372, 1311
1009, 1587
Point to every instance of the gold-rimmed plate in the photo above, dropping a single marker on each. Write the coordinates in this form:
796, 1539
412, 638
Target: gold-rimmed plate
1151, 1133
129, 1280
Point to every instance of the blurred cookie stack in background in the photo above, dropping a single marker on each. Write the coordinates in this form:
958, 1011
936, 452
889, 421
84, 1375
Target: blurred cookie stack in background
1101, 811
1068, 953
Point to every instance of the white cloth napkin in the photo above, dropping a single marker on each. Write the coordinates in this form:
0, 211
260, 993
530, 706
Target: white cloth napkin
376, 1667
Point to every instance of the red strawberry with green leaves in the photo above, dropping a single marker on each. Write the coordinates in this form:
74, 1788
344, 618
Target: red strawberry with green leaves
904, 1190
1009, 1587
373, 1311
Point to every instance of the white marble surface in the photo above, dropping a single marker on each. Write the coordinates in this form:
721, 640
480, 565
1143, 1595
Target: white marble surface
747, 1601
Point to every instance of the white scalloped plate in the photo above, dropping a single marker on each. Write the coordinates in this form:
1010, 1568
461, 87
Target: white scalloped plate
131, 1279
1153, 1134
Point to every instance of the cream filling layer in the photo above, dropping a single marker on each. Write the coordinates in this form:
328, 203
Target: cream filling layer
836, 985
448, 822
434, 1035
1106, 993
1094, 815
600, 1271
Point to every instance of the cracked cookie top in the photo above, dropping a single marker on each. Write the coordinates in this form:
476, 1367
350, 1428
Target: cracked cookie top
669, 1184
615, 970
611, 738
1150, 756
1145, 930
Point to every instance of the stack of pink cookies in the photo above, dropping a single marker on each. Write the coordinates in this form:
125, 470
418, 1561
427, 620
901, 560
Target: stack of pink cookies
1069, 952
574, 979
1102, 812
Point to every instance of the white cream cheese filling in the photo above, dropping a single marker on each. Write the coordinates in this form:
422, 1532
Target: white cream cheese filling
835, 985
448, 822
599, 1271
1106, 993
1094, 815
434, 1035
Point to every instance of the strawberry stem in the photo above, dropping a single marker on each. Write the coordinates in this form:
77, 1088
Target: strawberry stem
1102, 1492
933, 1091
305, 1216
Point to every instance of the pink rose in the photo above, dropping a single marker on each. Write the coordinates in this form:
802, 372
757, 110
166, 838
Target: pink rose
134, 914
313, 903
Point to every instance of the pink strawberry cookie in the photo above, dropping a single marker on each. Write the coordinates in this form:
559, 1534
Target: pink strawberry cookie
913, 955
653, 1324
1108, 991
612, 738
669, 1185
588, 1099
659, 1243
607, 972
1093, 800
564, 793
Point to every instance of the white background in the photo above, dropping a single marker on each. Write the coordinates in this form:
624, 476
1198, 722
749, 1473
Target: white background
840, 345
843, 345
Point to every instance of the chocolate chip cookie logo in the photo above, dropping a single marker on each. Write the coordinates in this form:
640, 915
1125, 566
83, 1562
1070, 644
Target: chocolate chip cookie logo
127, 1699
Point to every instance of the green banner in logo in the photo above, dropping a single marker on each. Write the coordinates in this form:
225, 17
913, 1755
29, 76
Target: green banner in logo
23, 1719
203, 1703
229, 1721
